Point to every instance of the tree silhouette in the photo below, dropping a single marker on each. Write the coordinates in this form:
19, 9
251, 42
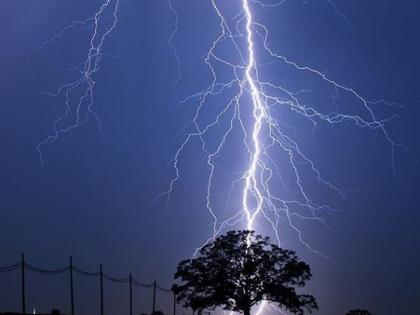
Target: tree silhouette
240, 269
358, 312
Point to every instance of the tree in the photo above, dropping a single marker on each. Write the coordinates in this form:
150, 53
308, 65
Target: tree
359, 312
240, 269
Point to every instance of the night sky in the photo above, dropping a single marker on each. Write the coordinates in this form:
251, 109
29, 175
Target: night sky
93, 198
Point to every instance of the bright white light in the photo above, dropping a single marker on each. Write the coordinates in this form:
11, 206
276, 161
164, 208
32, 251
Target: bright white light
266, 132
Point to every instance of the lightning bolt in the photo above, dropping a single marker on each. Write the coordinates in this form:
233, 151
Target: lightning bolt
266, 136
79, 93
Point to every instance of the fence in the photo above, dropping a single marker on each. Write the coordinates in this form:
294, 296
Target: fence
23, 266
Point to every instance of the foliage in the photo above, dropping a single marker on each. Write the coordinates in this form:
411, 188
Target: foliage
240, 269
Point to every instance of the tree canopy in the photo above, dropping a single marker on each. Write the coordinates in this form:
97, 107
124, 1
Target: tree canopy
239, 270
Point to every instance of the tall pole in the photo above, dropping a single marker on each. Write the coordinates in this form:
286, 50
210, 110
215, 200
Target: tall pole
22, 267
102, 289
71, 287
174, 304
154, 297
131, 294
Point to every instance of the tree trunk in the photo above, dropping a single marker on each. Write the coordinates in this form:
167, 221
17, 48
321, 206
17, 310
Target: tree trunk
247, 311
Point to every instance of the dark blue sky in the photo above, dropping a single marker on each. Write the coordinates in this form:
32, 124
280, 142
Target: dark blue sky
93, 197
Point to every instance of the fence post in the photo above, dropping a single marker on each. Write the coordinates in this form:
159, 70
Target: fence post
131, 294
154, 297
174, 304
22, 267
102, 289
71, 287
